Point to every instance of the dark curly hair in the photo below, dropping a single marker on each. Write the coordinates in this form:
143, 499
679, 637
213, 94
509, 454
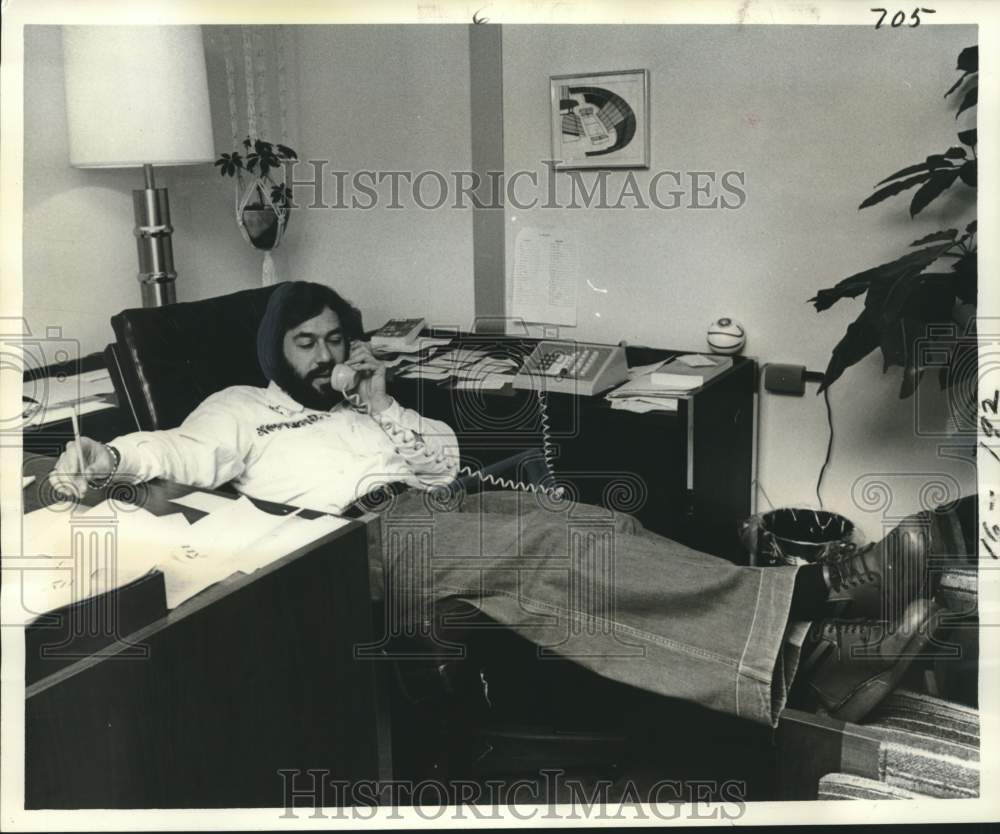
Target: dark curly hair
289, 305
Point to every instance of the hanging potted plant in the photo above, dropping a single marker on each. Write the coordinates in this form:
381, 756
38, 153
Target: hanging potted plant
263, 197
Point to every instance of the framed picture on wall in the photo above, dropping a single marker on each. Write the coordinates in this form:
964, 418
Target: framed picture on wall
600, 120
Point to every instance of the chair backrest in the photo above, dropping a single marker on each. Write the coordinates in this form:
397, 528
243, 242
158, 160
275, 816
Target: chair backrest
168, 359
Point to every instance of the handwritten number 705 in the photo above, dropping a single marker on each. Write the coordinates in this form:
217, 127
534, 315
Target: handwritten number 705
899, 18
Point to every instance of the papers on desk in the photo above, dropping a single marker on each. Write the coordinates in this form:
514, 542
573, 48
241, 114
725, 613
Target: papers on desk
639, 394
640, 370
471, 367
57, 396
642, 405
658, 387
489, 382
122, 543
685, 373
426, 372
421, 343
48, 574
206, 502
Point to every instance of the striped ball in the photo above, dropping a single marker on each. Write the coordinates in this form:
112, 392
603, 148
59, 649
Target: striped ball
726, 335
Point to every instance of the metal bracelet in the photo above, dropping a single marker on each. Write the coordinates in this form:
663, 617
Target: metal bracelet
114, 469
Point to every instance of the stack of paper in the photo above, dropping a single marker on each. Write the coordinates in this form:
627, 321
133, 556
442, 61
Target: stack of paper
58, 396
658, 387
421, 343
685, 373
639, 394
471, 367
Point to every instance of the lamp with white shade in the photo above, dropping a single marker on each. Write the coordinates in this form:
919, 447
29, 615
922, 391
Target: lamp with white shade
137, 96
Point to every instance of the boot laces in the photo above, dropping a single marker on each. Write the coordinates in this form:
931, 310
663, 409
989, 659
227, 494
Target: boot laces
850, 570
836, 631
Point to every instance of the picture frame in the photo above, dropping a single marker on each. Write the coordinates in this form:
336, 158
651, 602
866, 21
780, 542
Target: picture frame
600, 119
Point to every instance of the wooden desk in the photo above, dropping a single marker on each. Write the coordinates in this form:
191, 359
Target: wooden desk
252, 676
684, 474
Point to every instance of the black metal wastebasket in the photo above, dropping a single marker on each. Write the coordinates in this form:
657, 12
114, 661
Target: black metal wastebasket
789, 536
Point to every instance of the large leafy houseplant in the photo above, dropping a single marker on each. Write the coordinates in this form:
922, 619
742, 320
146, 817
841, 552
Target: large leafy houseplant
908, 298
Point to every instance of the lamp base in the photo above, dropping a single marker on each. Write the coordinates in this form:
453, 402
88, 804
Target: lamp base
153, 241
157, 293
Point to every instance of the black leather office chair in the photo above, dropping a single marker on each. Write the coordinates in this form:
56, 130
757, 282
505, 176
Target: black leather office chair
166, 360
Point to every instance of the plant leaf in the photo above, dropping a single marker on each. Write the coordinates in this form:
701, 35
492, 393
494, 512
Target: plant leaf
893, 345
945, 234
893, 189
286, 152
939, 181
930, 302
968, 137
968, 59
896, 299
971, 228
965, 280
957, 84
861, 338
911, 381
955, 152
869, 279
969, 173
970, 100
905, 172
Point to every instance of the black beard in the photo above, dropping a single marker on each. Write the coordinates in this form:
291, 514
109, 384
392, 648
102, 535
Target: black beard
303, 392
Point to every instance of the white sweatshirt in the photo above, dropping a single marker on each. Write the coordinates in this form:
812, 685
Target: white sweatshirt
276, 449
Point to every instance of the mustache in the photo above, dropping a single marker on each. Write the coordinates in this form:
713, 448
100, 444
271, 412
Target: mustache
324, 370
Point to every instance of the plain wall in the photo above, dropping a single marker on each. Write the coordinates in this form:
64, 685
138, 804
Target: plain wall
814, 117
387, 98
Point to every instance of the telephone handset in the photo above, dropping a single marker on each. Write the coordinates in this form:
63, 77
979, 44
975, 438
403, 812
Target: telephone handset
573, 368
344, 378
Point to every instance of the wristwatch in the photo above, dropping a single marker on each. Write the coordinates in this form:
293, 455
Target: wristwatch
114, 469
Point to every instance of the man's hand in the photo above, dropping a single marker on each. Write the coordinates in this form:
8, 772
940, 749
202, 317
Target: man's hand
98, 463
371, 388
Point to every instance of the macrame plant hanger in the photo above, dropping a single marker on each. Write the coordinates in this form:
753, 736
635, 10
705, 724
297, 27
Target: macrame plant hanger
254, 194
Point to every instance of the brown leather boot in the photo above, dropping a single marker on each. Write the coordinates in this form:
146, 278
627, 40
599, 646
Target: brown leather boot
851, 665
880, 580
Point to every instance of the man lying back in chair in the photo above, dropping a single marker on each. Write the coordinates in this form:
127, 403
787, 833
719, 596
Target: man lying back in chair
635, 607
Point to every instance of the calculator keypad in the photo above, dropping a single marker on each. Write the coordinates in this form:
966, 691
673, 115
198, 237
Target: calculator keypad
577, 364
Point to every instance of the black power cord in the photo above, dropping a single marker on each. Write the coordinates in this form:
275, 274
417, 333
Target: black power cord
829, 447
816, 376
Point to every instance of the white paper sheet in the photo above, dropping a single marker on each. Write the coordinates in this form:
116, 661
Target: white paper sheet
425, 372
696, 360
642, 406
545, 276
639, 370
490, 382
234, 536
207, 502
51, 413
422, 343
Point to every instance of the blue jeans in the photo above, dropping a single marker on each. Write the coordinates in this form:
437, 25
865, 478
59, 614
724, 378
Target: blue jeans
594, 586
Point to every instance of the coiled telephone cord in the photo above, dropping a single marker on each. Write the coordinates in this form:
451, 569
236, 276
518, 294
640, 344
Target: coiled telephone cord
408, 438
